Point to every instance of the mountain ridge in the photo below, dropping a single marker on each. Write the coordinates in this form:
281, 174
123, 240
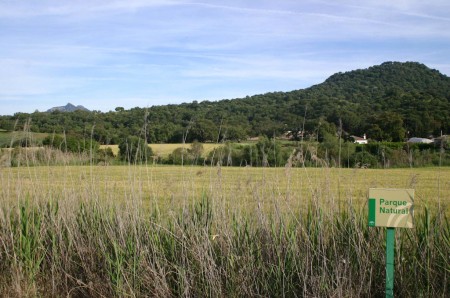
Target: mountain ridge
68, 108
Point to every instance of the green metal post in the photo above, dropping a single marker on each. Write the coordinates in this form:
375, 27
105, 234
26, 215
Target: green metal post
390, 242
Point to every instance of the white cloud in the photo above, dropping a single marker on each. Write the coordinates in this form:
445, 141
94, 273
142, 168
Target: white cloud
186, 49
22, 9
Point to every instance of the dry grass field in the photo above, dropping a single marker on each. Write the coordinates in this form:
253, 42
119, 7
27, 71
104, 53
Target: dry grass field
173, 186
192, 231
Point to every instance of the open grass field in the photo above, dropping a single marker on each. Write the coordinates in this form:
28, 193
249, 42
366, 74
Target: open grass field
165, 231
171, 186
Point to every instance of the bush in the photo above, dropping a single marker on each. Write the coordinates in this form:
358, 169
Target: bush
135, 150
71, 143
193, 155
228, 155
105, 155
363, 159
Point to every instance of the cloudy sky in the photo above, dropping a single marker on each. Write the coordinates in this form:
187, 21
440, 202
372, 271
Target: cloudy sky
138, 53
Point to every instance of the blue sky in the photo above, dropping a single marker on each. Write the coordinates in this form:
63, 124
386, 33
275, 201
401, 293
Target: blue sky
104, 53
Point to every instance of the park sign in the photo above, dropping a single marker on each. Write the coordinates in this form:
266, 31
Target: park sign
392, 208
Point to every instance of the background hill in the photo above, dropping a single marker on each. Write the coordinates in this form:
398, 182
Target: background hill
388, 102
68, 108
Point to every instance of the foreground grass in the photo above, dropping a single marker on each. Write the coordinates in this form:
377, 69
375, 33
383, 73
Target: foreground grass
207, 231
90, 250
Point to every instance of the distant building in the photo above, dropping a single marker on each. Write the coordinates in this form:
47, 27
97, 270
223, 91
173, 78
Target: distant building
441, 141
359, 140
292, 135
420, 140
253, 139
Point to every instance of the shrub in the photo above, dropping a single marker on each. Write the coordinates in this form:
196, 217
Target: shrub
193, 155
363, 159
71, 143
135, 150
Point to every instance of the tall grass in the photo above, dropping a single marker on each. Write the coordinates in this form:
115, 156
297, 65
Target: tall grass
93, 250
78, 232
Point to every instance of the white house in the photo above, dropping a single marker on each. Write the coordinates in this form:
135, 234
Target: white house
420, 140
359, 140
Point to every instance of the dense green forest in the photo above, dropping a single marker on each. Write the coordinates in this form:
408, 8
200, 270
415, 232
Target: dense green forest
388, 102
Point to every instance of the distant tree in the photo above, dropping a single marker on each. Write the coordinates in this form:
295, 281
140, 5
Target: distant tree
196, 150
178, 156
105, 155
135, 150
229, 154
192, 155
390, 127
363, 159
233, 133
267, 153
375, 132
71, 143
329, 148
202, 130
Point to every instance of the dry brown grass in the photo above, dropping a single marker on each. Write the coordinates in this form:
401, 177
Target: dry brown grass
171, 186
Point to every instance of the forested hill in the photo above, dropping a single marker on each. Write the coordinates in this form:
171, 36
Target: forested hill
387, 102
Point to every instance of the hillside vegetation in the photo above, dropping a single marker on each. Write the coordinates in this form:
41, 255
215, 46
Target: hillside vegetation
388, 102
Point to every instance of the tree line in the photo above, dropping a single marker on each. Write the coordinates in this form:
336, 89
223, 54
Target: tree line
388, 102
331, 152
